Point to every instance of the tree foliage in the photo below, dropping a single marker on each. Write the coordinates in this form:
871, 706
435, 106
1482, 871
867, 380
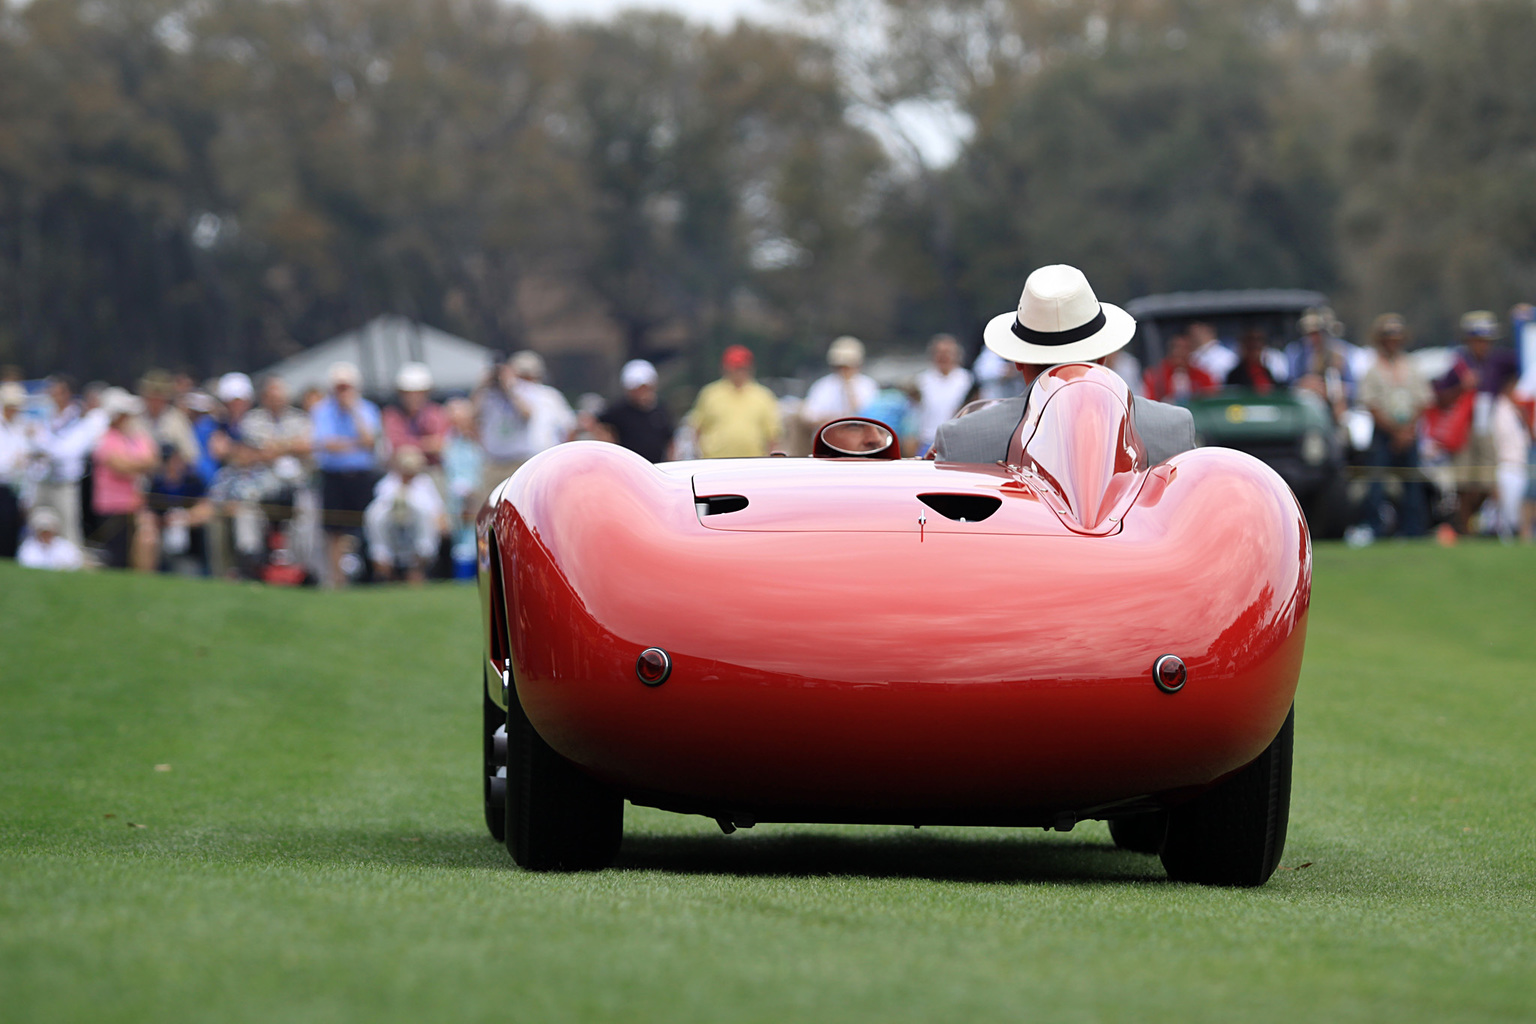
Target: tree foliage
215, 183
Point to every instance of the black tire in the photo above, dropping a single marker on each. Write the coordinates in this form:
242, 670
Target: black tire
558, 817
1234, 833
1139, 833
494, 774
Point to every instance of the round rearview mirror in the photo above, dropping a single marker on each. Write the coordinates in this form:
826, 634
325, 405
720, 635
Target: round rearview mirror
856, 438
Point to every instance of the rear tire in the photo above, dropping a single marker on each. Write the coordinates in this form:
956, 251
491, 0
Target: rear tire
494, 774
1139, 833
558, 817
1234, 833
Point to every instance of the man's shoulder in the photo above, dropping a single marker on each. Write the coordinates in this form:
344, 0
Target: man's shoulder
981, 436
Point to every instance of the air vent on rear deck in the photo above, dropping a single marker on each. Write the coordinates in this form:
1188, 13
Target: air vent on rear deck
720, 504
962, 508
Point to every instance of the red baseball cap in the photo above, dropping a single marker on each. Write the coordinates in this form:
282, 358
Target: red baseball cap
736, 357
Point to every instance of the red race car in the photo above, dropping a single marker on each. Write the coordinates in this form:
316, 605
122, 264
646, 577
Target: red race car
853, 637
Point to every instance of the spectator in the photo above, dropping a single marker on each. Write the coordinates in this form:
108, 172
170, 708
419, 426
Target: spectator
1208, 353
463, 470
45, 547
204, 414
1175, 377
1251, 370
1396, 395
167, 424
518, 416
942, 388
15, 450
897, 408
70, 435
279, 436
346, 428
241, 484
406, 520
1465, 395
125, 453
178, 503
638, 421
735, 417
1512, 448
417, 421
1318, 362
843, 392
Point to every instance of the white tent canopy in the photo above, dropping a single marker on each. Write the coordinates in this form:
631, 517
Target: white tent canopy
379, 348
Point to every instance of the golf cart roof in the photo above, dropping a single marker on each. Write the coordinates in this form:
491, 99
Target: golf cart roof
1215, 303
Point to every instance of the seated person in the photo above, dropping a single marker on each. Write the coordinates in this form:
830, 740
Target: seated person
45, 547
177, 499
1250, 371
1059, 320
1176, 376
406, 520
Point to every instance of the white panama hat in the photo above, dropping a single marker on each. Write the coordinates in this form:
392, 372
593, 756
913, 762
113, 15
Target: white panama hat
1059, 320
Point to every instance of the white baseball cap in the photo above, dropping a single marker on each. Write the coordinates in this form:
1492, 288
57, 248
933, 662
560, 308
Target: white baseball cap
344, 373
235, 387
637, 373
414, 377
118, 402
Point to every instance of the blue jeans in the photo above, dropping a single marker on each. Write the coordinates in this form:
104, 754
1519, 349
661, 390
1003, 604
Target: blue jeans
1412, 511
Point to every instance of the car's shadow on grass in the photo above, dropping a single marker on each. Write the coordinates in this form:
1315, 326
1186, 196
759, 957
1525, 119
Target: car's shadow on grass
1007, 857
1010, 858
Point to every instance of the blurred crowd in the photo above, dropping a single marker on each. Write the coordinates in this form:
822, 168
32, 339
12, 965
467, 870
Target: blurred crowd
229, 478
232, 478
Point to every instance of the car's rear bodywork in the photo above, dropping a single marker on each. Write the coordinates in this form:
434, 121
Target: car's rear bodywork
899, 641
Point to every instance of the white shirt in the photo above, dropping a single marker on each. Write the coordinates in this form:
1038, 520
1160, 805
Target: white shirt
1215, 359
15, 447
942, 394
60, 554
69, 446
550, 417
421, 494
829, 398
1511, 441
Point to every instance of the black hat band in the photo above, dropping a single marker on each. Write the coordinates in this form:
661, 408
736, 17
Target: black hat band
1066, 337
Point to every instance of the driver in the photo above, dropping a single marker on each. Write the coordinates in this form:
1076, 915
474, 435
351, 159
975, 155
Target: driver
1059, 320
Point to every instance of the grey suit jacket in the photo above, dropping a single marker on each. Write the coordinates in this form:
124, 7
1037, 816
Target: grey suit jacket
983, 436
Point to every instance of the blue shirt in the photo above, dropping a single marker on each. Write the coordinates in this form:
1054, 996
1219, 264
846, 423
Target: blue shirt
330, 421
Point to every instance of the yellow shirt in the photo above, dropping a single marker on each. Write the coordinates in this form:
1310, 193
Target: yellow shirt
735, 422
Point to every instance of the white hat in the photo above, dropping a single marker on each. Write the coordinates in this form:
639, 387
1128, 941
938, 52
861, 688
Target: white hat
118, 402
235, 387
1059, 320
414, 377
409, 459
44, 520
528, 364
637, 373
12, 394
344, 373
846, 351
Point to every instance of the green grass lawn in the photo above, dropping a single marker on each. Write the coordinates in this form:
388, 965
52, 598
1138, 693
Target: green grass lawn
227, 803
